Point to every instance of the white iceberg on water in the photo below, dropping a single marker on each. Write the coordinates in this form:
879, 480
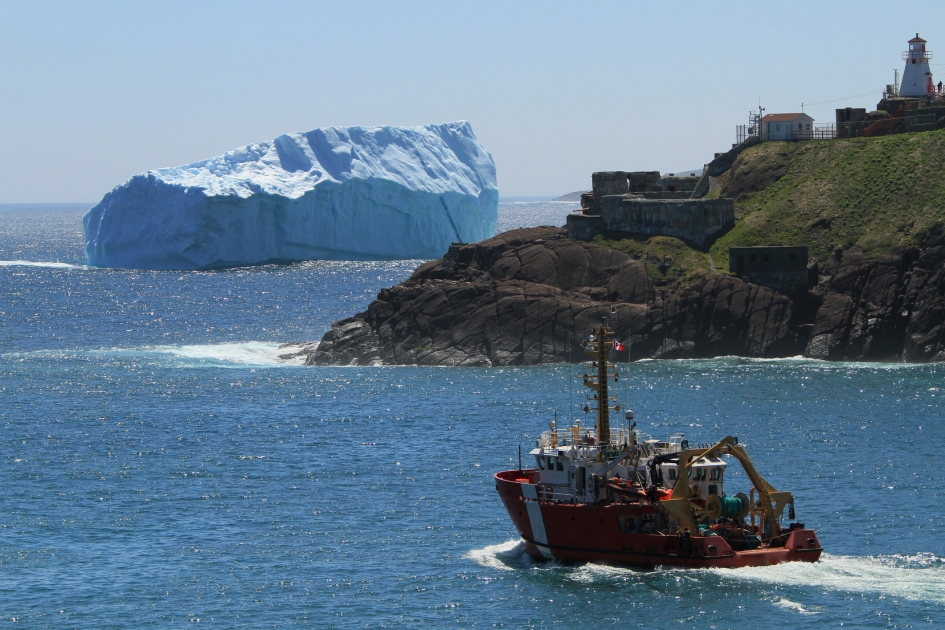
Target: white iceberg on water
338, 193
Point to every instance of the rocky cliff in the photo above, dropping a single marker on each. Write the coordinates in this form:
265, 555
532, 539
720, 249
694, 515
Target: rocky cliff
528, 296
888, 310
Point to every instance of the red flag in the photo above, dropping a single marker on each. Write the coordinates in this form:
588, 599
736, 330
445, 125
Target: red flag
618, 346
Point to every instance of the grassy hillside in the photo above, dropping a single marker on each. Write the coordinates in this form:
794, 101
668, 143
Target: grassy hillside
669, 261
877, 193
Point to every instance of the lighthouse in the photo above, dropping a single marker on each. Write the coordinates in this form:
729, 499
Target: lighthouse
917, 77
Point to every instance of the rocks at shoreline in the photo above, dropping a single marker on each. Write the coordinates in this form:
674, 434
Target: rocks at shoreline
528, 296
889, 310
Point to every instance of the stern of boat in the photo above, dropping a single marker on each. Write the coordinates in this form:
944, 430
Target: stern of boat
804, 545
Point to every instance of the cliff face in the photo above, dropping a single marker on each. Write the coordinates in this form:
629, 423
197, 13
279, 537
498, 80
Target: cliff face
892, 309
528, 297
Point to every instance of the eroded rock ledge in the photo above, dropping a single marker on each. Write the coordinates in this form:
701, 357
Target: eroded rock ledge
527, 296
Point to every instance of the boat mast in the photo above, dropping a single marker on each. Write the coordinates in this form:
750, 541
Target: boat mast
596, 349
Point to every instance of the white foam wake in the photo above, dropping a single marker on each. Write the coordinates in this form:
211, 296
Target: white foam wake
47, 265
919, 578
506, 556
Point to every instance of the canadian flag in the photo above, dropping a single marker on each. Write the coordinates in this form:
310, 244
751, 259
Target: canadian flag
618, 346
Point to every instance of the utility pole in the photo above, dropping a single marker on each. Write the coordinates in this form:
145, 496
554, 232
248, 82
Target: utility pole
761, 111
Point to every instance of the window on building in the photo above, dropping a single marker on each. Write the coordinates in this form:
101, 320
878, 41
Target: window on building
777, 127
752, 258
808, 126
793, 257
765, 258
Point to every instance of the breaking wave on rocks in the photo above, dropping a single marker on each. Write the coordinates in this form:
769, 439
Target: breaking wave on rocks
250, 354
47, 265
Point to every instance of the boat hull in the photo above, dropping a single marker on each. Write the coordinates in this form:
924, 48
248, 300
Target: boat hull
599, 533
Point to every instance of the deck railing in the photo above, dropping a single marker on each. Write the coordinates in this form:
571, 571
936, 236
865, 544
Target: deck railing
582, 438
860, 128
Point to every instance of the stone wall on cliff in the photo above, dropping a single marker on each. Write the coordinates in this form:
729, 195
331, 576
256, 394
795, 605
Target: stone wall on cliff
694, 220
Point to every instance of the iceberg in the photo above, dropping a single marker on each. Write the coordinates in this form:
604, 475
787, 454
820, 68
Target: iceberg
336, 193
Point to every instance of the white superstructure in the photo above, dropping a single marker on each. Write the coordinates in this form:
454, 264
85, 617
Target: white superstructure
574, 467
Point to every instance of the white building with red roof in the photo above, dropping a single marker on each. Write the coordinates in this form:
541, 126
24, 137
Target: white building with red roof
786, 127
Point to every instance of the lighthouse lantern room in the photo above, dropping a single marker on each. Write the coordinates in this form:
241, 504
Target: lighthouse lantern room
917, 77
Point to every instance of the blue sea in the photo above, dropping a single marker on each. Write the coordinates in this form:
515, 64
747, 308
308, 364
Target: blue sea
161, 467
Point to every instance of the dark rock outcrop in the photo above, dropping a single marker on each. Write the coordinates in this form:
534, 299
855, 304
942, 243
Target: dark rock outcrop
892, 309
528, 296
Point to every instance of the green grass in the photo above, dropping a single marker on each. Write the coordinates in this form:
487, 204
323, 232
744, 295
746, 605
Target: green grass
876, 193
669, 260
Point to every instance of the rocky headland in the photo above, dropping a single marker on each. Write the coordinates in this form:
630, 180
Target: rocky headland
527, 297
870, 211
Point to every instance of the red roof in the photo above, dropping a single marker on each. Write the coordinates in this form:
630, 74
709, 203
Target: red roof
782, 117
917, 39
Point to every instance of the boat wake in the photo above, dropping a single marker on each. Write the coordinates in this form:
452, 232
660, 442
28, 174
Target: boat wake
507, 556
920, 577
250, 354
46, 265
511, 556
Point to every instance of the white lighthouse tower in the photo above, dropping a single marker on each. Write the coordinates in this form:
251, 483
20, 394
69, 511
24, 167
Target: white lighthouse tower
917, 78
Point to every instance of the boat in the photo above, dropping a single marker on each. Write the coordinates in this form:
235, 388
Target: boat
616, 496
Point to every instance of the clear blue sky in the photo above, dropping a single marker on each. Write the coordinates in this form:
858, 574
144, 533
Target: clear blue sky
93, 92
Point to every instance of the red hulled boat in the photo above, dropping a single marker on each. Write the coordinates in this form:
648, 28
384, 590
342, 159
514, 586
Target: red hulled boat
602, 495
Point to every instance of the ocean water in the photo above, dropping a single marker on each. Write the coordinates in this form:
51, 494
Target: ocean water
161, 466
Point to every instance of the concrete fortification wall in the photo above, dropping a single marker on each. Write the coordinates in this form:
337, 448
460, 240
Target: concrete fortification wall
694, 220
645, 202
